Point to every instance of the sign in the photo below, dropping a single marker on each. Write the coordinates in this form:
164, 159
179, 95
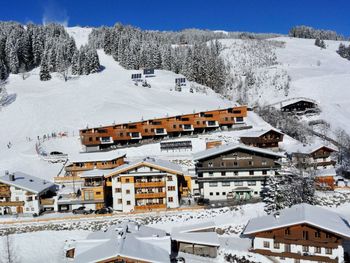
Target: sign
176, 145
148, 71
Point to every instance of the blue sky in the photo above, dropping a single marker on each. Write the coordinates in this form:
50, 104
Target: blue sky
232, 15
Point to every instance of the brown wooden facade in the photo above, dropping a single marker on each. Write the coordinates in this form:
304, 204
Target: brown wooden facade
126, 133
307, 236
270, 139
300, 106
318, 158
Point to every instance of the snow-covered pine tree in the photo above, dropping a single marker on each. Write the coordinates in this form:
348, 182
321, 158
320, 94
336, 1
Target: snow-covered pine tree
76, 63
44, 69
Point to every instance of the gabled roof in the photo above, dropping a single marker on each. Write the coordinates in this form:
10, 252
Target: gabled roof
149, 162
126, 240
193, 227
254, 134
27, 182
310, 148
232, 146
201, 238
300, 214
296, 100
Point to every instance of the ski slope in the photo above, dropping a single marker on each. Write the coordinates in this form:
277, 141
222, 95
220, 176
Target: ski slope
98, 99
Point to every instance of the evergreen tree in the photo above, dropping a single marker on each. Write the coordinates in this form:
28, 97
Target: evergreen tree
44, 70
76, 63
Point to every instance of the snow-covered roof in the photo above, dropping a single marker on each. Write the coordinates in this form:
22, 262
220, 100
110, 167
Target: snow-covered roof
27, 182
300, 214
232, 146
309, 148
295, 100
193, 227
152, 162
125, 240
258, 133
326, 172
96, 157
202, 238
95, 173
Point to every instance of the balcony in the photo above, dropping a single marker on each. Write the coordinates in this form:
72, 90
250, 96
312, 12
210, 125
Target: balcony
106, 140
12, 203
150, 195
62, 179
212, 124
5, 193
149, 207
149, 184
160, 131
187, 127
135, 135
47, 201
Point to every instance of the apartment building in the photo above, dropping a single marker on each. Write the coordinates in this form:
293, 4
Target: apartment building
234, 171
145, 185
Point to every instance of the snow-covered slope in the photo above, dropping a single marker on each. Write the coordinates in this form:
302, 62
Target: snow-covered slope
319, 74
98, 99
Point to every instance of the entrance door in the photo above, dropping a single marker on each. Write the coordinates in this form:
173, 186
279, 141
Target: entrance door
19, 209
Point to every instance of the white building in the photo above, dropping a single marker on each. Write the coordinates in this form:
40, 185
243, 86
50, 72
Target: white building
145, 185
302, 233
23, 193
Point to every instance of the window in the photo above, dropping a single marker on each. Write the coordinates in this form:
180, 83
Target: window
217, 193
328, 235
210, 164
128, 202
251, 172
223, 173
118, 190
88, 195
318, 250
170, 178
235, 163
90, 139
213, 184
171, 188
226, 184
328, 251
118, 179
223, 193
305, 248
250, 163
235, 173
200, 174
211, 193
287, 231
170, 199
211, 173
318, 234
127, 191
264, 172
30, 198
286, 247
98, 193
305, 235
263, 162
297, 260
266, 244
276, 245
222, 164
120, 201
127, 180
240, 183
251, 183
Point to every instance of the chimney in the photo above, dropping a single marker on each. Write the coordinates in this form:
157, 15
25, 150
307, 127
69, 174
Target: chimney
12, 177
276, 215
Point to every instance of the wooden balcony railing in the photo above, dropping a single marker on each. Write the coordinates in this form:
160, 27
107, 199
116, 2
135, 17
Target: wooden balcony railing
149, 207
150, 195
60, 179
48, 201
12, 203
149, 184
5, 193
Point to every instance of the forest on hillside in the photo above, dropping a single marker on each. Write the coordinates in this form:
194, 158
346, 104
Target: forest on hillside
49, 47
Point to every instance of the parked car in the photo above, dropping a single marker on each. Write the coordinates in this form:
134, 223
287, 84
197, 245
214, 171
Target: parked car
203, 201
104, 210
82, 210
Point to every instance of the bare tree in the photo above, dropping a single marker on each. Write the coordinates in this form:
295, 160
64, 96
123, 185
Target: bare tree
8, 253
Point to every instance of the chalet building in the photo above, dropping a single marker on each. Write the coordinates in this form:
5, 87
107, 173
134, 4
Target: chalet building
234, 171
146, 185
325, 179
316, 156
299, 106
301, 233
21, 193
126, 242
135, 132
263, 138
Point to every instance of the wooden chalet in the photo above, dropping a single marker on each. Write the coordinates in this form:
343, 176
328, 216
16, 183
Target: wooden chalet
301, 105
263, 138
302, 233
135, 132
